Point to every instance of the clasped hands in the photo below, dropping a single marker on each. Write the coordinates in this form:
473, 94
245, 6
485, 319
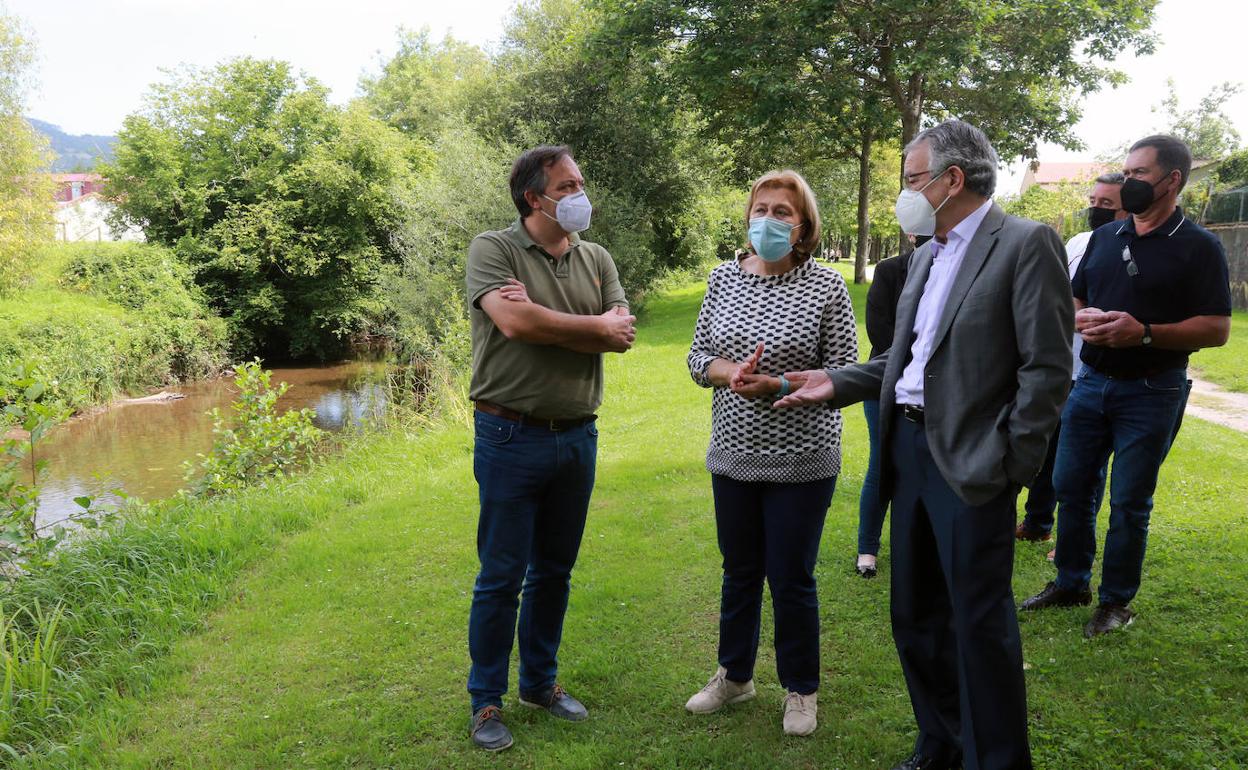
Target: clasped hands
809, 387
1108, 328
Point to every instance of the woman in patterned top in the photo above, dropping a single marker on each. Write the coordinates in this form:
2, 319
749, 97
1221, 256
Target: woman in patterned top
772, 471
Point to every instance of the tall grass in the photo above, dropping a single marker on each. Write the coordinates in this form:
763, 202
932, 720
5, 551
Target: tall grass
31, 649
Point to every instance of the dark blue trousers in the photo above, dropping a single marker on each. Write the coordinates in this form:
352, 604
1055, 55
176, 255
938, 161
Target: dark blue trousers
770, 530
872, 503
953, 612
534, 486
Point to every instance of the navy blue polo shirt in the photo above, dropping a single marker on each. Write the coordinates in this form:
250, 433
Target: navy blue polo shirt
1180, 272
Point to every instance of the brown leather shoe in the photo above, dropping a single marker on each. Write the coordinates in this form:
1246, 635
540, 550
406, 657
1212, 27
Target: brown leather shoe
1052, 596
1108, 617
1024, 532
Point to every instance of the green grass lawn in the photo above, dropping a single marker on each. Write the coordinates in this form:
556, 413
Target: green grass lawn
346, 646
1227, 365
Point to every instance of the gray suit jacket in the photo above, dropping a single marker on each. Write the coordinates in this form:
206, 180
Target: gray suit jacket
1000, 368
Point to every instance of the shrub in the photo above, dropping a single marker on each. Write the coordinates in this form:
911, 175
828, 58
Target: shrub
258, 444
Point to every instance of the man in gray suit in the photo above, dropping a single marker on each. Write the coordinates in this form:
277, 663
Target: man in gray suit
970, 392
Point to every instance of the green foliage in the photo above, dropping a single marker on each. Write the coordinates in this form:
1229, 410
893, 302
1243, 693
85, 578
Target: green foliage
425, 82
639, 151
1208, 131
101, 320
25, 192
1060, 207
25, 545
32, 657
255, 443
1233, 170
283, 204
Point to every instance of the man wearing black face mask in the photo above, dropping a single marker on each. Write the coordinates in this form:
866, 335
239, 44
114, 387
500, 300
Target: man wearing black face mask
1104, 206
1150, 292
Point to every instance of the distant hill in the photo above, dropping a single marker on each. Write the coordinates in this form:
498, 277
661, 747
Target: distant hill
75, 153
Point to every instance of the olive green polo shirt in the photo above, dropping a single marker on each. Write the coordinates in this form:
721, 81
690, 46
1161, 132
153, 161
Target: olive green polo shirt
545, 381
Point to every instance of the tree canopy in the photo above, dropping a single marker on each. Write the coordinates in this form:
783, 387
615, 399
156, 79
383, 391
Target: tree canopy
284, 204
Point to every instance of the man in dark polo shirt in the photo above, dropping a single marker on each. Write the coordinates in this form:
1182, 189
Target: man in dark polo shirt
1151, 290
544, 306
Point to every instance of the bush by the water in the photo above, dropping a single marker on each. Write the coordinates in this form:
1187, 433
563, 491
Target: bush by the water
101, 320
257, 442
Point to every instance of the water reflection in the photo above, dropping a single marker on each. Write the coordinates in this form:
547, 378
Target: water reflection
141, 447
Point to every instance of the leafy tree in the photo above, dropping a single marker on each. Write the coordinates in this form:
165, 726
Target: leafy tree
426, 83
284, 204
646, 166
25, 192
856, 71
1208, 131
1059, 207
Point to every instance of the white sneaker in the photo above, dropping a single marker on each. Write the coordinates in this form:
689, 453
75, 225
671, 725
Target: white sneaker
799, 713
719, 692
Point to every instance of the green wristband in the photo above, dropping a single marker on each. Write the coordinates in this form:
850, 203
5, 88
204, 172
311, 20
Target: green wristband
784, 387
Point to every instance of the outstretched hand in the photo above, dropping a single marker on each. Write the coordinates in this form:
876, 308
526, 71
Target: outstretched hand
812, 387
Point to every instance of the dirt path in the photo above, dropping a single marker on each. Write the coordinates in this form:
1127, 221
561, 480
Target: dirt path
1211, 402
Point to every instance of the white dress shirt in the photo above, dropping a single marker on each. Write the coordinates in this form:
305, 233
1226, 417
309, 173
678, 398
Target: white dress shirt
946, 260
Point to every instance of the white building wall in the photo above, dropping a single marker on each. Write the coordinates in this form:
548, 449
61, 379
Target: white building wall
85, 219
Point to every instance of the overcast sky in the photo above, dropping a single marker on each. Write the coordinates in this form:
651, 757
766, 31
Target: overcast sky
97, 57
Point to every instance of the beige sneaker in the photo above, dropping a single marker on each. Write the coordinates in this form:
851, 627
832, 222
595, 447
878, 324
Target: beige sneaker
719, 692
799, 713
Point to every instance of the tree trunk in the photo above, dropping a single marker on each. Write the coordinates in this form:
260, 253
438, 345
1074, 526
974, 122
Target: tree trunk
864, 213
911, 115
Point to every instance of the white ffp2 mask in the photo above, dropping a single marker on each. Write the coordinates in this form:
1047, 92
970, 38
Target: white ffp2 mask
914, 211
572, 212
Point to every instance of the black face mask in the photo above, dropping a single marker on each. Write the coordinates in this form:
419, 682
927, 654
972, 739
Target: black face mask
1138, 195
1098, 215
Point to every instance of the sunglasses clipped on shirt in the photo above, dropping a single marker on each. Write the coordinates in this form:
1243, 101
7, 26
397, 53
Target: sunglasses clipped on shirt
1132, 269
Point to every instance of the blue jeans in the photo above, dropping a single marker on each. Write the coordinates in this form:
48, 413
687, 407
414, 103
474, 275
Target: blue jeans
1136, 421
770, 530
872, 504
534, 487
1041, 502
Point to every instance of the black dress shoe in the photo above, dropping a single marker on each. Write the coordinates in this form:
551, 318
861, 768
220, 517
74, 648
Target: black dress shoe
919, 761
1052, 596
557, 701
488, 730
1108, 617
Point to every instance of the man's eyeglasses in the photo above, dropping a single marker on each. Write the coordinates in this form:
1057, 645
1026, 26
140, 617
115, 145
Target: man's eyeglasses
916, 176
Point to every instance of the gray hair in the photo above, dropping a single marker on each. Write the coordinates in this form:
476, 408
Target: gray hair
1112, 177
955, 143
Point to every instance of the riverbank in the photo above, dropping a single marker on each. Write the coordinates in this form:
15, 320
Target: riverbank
103, 321
324, 619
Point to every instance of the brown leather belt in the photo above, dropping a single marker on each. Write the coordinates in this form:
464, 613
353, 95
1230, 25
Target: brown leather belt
528, 419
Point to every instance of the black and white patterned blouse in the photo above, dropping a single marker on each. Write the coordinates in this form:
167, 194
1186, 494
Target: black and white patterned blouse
806, 321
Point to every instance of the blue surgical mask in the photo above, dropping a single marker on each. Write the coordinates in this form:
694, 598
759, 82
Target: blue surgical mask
770, 238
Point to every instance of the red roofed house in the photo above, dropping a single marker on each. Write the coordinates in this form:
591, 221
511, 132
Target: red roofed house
1050, 175
82, 214
71, 187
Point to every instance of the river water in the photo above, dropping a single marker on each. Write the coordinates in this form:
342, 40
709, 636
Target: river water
140, 448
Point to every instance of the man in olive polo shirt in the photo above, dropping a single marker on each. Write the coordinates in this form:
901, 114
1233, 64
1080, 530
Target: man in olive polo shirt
544, 306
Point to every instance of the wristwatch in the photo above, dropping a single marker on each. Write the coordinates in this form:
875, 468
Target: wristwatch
1147, 339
